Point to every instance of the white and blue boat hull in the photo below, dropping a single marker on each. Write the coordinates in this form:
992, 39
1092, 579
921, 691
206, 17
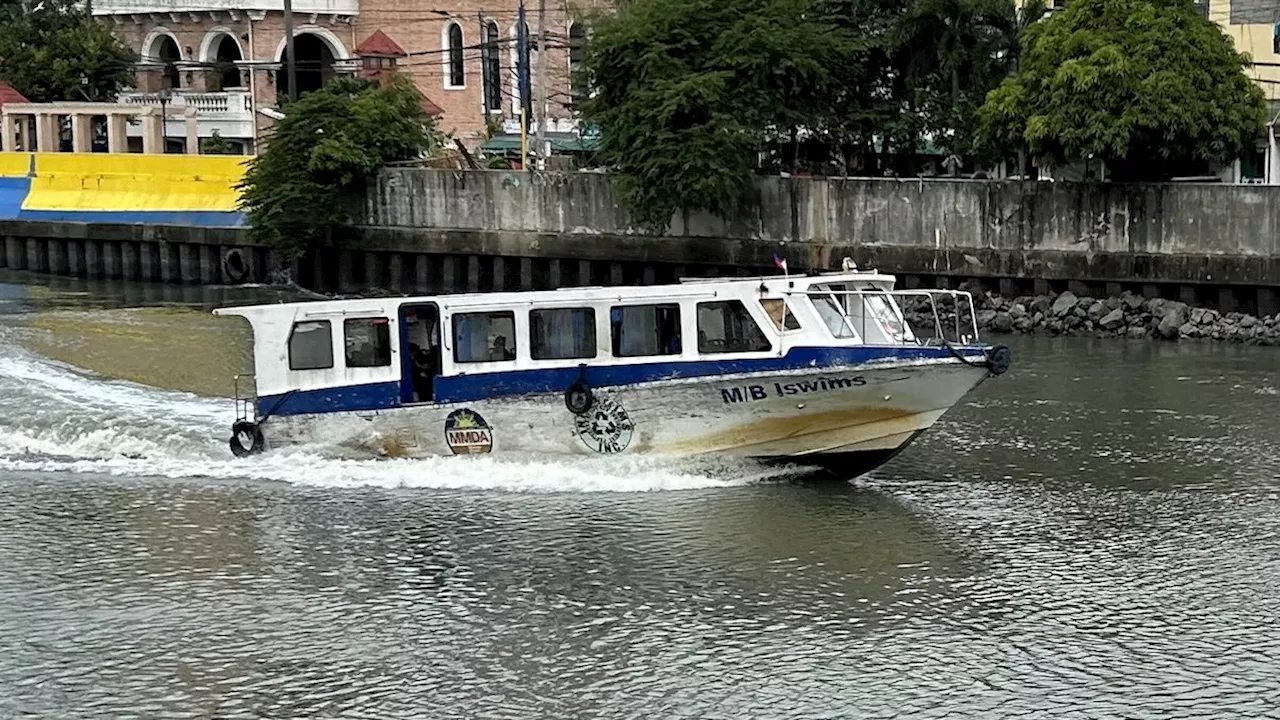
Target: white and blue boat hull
849, 415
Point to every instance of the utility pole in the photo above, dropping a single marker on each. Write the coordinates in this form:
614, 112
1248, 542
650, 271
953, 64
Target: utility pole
290, 61
522, 80
542, 85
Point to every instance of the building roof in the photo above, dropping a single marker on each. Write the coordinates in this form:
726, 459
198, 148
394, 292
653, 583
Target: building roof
380, 45
9, 95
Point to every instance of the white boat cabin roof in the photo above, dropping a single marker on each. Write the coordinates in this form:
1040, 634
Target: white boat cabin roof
687, 287
349, 342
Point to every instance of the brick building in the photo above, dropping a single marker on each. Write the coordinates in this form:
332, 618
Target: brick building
226, 57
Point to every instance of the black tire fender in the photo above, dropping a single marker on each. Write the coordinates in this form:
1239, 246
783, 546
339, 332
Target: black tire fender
234, 267
999, 359
578, 397
246, 439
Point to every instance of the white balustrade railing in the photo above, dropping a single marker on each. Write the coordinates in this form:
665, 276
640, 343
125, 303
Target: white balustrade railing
221, 104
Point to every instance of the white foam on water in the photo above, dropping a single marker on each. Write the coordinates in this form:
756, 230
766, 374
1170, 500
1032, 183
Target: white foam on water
56, 418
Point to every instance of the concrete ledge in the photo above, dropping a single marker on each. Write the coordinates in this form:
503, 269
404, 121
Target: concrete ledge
118, 232
65, 243
1222, 269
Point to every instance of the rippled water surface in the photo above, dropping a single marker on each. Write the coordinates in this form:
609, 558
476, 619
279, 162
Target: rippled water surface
1095, 534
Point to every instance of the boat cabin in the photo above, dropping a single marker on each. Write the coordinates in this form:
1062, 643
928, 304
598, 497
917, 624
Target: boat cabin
369, 354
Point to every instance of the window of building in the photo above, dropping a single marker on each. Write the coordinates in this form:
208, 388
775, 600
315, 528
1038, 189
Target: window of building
311, 345
492, 67
456, 76
484, 337
562, 333
779, 311
640, 330
727, 327
368, 342
577, 54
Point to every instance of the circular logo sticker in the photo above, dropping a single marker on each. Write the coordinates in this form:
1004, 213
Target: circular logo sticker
467, 433
606, 427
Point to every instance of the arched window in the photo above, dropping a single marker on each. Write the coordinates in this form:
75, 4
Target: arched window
577, 54
166, 53
456, 75
492, 68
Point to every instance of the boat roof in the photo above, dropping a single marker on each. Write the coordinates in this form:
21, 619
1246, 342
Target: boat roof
686, 287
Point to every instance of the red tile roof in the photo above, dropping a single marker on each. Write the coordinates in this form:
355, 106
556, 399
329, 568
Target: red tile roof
379, 44
9, 95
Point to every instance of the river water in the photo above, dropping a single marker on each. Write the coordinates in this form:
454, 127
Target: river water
1093, 535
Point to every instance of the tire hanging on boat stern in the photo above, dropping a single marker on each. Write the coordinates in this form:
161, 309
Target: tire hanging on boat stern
246, 439
578, 397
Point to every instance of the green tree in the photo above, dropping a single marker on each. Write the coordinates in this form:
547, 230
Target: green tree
54, 50
689, 93
320, 155
1147, 86
215, 144
951, 54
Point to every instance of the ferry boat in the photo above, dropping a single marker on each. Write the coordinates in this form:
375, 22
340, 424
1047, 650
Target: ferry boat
819, 370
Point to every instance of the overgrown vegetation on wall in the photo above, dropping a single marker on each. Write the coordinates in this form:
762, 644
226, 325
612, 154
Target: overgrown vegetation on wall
320, 156
54, 50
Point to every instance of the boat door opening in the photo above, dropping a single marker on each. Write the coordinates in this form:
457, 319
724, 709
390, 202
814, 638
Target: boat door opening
420, 365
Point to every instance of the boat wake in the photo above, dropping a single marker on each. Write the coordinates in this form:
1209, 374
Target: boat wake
56, 418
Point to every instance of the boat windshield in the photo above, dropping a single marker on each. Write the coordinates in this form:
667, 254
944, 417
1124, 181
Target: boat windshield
866, 312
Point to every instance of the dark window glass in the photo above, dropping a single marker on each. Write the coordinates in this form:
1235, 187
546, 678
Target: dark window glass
562, 333
368, 342
484, 337
492, 61
577, 55
727, 327
311, 345
640, 330
457, 73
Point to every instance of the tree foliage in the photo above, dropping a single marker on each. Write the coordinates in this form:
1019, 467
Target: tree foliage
693, 96
318, 158
54, 50
215, 144
689, 91
1148, 86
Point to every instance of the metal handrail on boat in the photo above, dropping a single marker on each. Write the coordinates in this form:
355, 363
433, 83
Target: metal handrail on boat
246, 405
931, 295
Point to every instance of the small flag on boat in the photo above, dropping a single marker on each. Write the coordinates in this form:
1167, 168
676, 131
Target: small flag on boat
780, 262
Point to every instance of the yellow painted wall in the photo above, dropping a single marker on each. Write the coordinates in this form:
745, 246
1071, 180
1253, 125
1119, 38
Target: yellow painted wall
15, 164
134, 182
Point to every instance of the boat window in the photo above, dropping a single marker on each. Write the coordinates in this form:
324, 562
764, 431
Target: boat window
562, 334
368, 342
311, 345
484, 337
832, 313
779, 311
641, 330
727, 327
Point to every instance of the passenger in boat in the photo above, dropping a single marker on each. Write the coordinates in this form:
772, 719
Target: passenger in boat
423, 373
500, 350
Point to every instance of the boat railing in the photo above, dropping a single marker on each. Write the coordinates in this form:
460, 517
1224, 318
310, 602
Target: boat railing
922, 316
246, 399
